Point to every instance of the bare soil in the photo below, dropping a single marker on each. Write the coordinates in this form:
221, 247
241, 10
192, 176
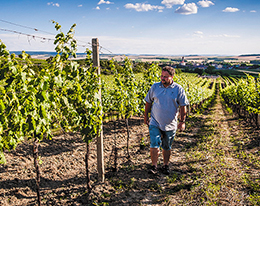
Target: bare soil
208, 165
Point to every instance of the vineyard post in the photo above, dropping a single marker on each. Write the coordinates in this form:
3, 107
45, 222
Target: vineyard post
100, 155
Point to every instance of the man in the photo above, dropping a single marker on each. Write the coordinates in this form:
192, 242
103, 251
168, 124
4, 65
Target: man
165, 100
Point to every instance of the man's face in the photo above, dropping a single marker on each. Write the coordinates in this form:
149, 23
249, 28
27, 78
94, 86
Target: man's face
166, 78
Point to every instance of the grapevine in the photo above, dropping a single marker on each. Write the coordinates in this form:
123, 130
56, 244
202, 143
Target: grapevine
244, 96
60, 95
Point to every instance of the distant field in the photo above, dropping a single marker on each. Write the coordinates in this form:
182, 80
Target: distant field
250, 71
159, 58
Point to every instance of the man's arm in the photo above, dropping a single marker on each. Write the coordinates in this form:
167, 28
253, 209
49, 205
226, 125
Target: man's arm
183, 112
148, 107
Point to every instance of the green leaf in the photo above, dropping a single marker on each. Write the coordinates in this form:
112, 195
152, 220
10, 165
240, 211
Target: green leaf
2, 158
2, 106
31, 124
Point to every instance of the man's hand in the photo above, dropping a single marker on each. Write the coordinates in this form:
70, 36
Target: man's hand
148, 107
183, 112
181, 126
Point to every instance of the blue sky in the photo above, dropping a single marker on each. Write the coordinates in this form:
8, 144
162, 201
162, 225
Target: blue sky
172, 27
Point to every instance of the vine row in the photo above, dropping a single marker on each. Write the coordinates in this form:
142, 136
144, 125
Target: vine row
243, 96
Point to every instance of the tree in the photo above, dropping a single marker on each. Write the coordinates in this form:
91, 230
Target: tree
199, 71
210, 70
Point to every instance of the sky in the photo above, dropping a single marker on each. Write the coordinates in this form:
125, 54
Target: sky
166, 27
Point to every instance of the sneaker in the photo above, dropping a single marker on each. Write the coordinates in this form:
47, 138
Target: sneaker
166, 170
153, 170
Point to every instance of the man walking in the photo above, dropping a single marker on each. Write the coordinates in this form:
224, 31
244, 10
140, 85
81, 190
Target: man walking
165, 100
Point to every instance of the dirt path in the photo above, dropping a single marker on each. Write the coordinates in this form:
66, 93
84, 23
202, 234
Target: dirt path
214, 162
221, 167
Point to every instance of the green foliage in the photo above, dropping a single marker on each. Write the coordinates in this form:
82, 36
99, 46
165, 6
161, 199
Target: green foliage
122, 96
197, 89
124, 92
244, 92
60, 94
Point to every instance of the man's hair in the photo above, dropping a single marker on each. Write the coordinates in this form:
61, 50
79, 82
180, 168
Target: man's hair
169, 69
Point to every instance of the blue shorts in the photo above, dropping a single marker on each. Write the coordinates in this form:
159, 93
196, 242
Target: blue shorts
159, 138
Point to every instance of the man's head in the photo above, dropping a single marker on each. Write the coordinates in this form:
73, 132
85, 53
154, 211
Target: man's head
167, 75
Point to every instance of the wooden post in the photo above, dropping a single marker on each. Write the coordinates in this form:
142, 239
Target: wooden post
100, 155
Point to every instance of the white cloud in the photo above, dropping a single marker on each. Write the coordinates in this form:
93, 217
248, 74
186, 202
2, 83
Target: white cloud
97, 8
231, 10
198, 34
104, 2
170, 3
143, 7
205, 3
224, 36
53, 4
253, 11
79, 5
231, 36
187, 9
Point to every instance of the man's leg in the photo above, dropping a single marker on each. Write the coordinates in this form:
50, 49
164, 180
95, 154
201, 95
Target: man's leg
155, 142
154, 152
167, 140
166, 156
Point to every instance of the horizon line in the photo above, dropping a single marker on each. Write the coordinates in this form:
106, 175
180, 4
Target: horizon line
143, 54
